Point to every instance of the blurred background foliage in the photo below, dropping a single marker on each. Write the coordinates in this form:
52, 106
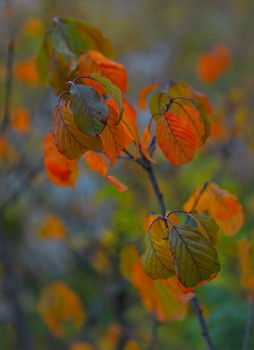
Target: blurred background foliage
75, 235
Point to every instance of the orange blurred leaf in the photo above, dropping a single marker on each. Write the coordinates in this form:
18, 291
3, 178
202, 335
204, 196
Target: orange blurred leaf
60, 170
53, 227
175, 138
208, 67
143, 94
33, 26
26, 71
81, 346
223, 206
58, 304
20, 120
98, 164
7, 152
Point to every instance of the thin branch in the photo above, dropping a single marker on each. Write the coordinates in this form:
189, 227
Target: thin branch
204, 331
154, 339
249, 325
8, 87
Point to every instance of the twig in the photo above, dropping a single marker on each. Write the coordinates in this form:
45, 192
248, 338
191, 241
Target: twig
249, 325
204, 331
8, 87
146, 164
154, 339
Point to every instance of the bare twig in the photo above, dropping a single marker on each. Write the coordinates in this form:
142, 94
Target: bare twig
249, 325
8, 87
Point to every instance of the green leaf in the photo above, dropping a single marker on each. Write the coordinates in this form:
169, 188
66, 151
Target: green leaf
194, 258
112, 90
43, 58
156, 104
90, 114
70, 141
157, 259
206, 226
74, 37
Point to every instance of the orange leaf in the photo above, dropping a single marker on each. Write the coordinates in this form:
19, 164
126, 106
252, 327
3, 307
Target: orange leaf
53, 227
26, 71
175, 138
223, 206
208, 67
180, 292
94, 62
20, 120
223, 55
143, 94
129, 124
144, 142
155, 296
60, 170
98, 164
58, 304
191, 116
112, 135
33, 26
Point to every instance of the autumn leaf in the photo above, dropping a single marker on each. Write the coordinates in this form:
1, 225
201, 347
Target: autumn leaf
206, 226
144, 142
60, 170
58, 304
70, 140
33, 27
7, 152
94, 62
143, 95
90, 114
175, 138
112, 135
194, 258
223, 206
98, 164
52, 228
157, 259
20, 120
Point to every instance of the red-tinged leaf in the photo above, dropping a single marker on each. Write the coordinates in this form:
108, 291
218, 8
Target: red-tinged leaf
187, 291
70, 141
143, 94
60, 170
144, 142
98, 164
94, 62
175, 138
121, 187
223, 206
112, 136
